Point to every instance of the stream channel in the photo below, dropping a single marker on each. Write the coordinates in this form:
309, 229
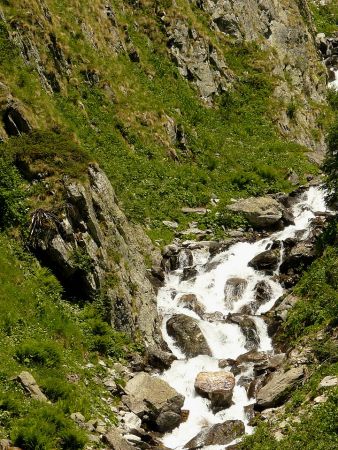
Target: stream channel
215, 293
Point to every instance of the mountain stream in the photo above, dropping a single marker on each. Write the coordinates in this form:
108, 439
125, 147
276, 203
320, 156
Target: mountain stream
225, 340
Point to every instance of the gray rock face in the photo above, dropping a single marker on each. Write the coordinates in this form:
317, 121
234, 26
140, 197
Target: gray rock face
30, 385
154, 401
188, 335
287, 34
267, 261
197, 59
261, 212
274, 392
94, 240
219, 434
217, 386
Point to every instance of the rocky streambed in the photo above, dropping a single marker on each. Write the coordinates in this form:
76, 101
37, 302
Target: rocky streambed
220, 305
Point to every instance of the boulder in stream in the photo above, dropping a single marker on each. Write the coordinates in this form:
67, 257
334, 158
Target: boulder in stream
217, 386
233, 290
154, 401
248, 328
188, 335
191, 302
267, 261
219, 434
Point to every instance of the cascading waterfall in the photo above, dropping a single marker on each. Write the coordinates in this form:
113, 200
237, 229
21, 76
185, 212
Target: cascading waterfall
226, 340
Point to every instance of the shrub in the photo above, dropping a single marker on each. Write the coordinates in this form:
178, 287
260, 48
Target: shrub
47, 428
38, 353
13, 205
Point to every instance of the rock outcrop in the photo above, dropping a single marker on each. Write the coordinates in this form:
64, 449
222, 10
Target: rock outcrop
30, 385
233, 290
154, 401
188, 336
217, 386
191, 302
94, 250
285, 30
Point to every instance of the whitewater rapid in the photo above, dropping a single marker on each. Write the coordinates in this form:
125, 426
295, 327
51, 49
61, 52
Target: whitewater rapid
225, 340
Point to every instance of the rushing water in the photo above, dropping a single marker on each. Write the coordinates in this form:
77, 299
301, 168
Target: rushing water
225, 340
334, 83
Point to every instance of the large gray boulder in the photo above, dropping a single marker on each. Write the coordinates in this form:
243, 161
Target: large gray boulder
154, 401
217, 386
188, 335
267, 261
261, 212
219, 434
278, 388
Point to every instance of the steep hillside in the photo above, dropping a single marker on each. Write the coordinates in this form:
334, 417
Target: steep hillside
179, 102
124, 125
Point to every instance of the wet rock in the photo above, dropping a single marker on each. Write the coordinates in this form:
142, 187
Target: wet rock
255, 385
219, 434
267, 261
252, 356
262, 292
272, 363
190, 301
278, 387
186, 258
233, 290
232, 363
154, 401
31, 386
216, 316
189, 273
188, 335
115, 441
261, 212
248, 328
217, 386
249, 412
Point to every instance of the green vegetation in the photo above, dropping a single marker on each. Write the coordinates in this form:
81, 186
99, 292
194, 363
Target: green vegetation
52, 339
325, 16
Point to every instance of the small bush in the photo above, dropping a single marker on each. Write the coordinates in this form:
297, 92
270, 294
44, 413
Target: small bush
39, 353
13, 207
47, 428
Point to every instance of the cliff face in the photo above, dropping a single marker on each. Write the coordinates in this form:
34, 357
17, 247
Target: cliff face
285, 30
96, 252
